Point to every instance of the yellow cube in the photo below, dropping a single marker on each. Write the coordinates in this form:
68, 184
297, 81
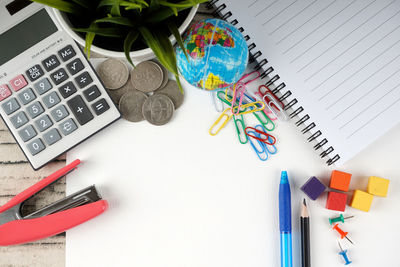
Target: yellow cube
378, 186
361, 200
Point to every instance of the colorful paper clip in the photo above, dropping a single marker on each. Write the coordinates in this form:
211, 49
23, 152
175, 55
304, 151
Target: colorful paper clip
265, 121
260, 150
240, 129
268, 139
272, 151
238, 89
273, 105
217, 103
267, 90
249, 108
224, 118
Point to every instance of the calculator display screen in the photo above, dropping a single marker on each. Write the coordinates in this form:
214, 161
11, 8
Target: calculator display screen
25, 35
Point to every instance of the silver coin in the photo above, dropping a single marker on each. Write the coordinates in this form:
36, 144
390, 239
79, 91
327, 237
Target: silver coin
113, 73
116, 94
165, 76
158, 109
131, 105
172, 91
147, 76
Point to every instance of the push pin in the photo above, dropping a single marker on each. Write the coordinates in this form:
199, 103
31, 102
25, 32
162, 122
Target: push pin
342, 233
339, 219
343, 253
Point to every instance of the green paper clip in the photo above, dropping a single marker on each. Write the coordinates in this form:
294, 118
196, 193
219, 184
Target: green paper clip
240, 129
264, 120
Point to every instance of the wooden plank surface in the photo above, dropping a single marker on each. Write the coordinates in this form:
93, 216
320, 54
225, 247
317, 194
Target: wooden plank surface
16, 174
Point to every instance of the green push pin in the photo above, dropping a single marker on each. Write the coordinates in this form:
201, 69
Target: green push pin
339, 219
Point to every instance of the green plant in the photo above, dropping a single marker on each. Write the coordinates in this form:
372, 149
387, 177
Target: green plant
129, 22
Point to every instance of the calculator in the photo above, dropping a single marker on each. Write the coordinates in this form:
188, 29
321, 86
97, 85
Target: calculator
50, 96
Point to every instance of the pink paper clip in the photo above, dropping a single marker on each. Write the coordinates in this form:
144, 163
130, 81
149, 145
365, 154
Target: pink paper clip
240, 87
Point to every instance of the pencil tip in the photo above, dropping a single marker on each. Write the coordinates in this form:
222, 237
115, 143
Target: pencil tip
304, 202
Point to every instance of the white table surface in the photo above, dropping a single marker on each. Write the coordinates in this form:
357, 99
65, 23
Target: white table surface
179, 197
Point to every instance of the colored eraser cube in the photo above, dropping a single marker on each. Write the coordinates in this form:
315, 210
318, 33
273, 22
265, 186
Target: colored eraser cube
378, 186
361, 200
340, 180
336, 201
313, 188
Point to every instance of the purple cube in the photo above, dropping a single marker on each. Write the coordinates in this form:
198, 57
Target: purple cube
313, 188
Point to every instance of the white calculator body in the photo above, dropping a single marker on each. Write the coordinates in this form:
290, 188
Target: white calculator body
50, 97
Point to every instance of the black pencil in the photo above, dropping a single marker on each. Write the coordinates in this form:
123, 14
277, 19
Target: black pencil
305, 235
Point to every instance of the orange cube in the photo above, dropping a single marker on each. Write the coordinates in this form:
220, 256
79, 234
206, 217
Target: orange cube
340, 180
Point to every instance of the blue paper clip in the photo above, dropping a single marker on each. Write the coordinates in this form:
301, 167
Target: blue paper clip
269, 151
240, 129
218, 104
259, 151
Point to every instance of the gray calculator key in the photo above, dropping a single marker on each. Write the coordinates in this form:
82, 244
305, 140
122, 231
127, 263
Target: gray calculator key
50, 63
43, 123
35, 73
59, 76
35, 110
10, 106
80, 110
27, 133
68, 126
19, 119
42, 86
67, 89
83, 79
91, 93
52, 99
27, 96
36, 146
67, 53
75, 66
52, 136
59, 113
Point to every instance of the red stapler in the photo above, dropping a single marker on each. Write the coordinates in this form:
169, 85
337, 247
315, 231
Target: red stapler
53, 219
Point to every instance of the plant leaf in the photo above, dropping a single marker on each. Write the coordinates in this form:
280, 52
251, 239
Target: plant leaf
117, 20
161, 14
129, 40
175, 32
115, 10
108, 32
88, 42
84, 3
62, 5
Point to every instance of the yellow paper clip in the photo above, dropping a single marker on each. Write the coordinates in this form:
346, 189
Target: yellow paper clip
253, 107
222, 120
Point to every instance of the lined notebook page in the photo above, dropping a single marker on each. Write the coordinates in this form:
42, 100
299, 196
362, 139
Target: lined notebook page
340, 59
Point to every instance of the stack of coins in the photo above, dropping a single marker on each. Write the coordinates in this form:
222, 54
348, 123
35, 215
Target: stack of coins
143, 93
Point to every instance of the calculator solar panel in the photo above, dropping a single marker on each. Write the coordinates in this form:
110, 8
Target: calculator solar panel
50, 97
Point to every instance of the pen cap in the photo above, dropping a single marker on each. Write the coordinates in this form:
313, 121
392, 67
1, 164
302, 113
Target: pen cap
285, 221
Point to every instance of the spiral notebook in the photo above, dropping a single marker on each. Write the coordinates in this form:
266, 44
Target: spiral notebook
335, 63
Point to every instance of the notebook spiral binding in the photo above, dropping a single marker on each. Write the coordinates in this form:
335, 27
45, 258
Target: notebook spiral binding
291, 104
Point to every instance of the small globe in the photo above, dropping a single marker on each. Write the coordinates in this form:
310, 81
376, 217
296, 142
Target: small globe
217, 55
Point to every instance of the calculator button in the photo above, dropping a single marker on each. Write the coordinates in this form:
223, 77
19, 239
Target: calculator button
43, 123
18, 83
67, 89
67, 53
27, 96
52, 136
83, 79
4, 92
10, 106
75, 66
50, 63
42, 86
27, 133
68, 126
91, 93
59, 113
50, 100
35, 110
59, 76
35, 73
100, 106
36, 146
19, 119
80, 110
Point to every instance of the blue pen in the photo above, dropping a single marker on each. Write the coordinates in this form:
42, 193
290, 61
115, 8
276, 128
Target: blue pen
285, 221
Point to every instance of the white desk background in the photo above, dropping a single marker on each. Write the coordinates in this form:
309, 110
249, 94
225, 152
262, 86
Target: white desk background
181, 198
